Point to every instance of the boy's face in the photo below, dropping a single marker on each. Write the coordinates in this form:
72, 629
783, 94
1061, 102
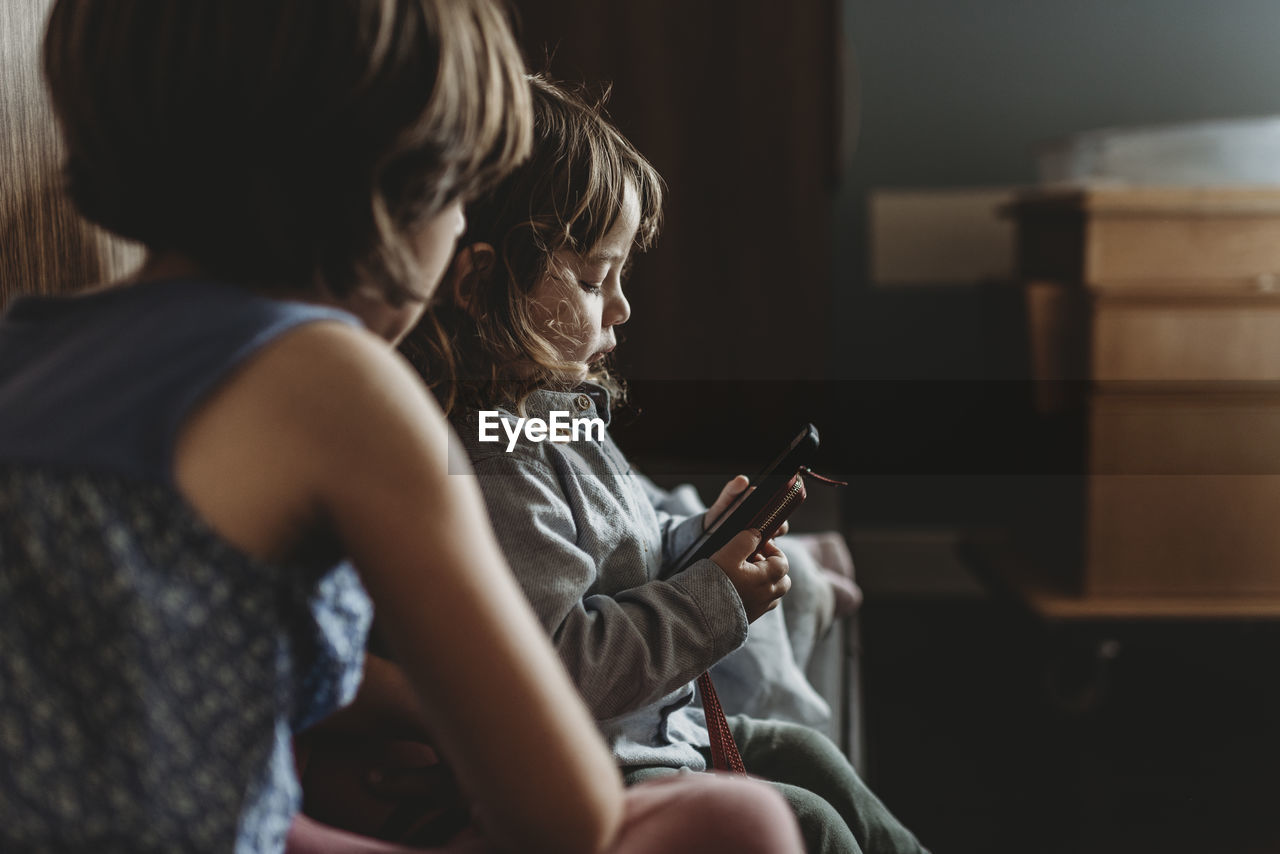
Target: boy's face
582, 301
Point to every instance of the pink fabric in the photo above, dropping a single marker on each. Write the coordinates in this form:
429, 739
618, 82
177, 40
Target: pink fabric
681, 813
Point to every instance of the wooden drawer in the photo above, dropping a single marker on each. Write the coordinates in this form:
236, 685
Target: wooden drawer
1147, 335
1182, 535
1222, 433
1127, 237
1183, 494
1197, 337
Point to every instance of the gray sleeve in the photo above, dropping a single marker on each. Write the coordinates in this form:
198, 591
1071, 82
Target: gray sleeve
679, 534
623, 651
680, 514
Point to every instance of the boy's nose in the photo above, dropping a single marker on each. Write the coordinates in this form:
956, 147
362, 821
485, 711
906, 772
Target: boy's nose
619, 309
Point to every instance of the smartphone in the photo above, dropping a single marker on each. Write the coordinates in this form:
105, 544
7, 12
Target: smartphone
749, 502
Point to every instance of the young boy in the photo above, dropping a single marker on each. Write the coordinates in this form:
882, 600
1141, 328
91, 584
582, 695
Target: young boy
536, 297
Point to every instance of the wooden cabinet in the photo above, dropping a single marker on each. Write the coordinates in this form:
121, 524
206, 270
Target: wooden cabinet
1158, 312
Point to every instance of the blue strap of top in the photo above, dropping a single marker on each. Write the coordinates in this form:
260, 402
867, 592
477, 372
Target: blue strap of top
105, 380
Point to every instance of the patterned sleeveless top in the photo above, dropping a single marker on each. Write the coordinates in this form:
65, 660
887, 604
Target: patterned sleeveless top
151, 674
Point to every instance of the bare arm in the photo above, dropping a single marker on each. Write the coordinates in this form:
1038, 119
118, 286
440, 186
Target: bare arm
329, 423
456, 620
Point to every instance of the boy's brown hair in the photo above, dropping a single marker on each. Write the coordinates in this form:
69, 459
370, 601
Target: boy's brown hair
566, 196
285, 143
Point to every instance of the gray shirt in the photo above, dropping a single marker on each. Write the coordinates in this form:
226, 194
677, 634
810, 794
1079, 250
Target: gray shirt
584, 540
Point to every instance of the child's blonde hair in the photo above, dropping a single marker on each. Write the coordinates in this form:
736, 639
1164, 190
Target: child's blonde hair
285, 143
566, 196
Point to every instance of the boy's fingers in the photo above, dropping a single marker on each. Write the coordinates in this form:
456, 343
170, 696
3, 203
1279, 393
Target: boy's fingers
726, 497
741, 547
769, 549
731, 490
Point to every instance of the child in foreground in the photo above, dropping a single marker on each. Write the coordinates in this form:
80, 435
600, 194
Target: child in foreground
526, 322
210, 471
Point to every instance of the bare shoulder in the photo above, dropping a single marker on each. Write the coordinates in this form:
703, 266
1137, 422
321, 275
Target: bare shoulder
333, 377
324, 410
356, 405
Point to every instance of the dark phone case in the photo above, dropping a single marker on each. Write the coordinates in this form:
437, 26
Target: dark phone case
771, 484
779, 507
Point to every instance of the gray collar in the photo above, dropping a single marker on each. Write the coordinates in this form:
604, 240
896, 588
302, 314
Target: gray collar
588, 400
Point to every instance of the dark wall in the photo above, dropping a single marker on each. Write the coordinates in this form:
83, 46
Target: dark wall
738, 106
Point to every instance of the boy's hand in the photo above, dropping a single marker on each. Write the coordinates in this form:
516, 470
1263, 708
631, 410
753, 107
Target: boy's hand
727, 496
758, 572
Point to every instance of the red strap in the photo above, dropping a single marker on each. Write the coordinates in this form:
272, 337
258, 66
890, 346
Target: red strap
811, 473
724, 753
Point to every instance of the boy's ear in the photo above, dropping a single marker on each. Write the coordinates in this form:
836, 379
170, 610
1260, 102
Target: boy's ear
471, 266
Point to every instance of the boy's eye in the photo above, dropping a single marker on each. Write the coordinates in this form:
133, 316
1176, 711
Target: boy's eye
590, 286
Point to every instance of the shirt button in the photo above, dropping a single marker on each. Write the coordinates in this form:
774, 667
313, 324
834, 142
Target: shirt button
583, 403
